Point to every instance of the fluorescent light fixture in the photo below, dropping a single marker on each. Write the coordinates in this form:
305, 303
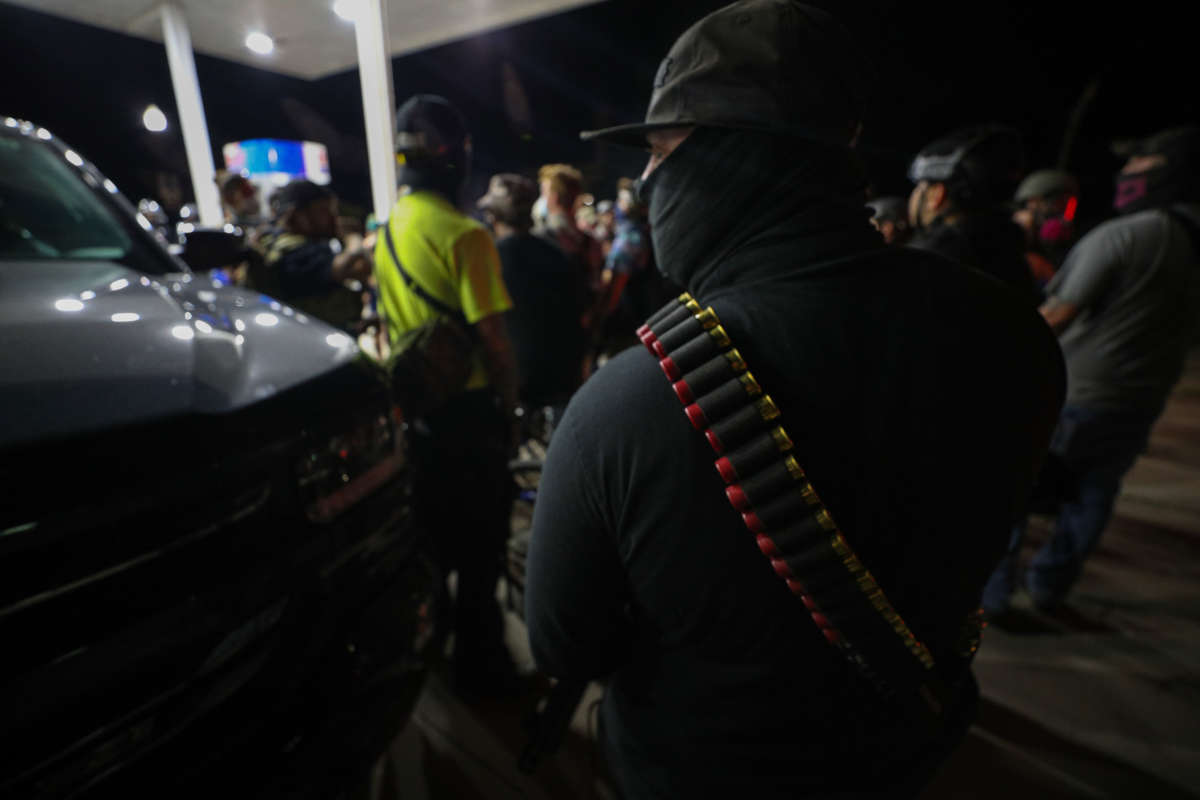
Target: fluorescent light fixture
183, 332
154, 119
126, 316
74, 158
68, 304
266, 320
259, 42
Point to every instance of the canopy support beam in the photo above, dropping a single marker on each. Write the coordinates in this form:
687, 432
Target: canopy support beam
192, 123
375, 74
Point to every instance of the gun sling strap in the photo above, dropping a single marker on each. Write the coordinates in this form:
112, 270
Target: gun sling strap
780, 507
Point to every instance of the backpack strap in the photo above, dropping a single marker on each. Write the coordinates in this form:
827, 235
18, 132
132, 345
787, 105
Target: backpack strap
782, 510
416, 288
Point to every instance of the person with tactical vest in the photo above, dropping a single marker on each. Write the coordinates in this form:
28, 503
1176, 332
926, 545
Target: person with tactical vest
1125, 306
958, 206
432, 260
767, 529
304, 264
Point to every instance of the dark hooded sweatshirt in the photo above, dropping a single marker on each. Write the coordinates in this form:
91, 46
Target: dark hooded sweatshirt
920, 396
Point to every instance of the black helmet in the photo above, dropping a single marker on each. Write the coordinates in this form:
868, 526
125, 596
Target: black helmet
433, 146
980, 166
429, 127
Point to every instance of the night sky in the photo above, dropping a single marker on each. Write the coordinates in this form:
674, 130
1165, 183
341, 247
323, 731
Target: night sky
940, 66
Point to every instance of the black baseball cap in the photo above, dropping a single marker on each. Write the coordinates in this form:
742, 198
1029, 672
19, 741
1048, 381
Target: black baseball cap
765, 65
429, 126
298, 194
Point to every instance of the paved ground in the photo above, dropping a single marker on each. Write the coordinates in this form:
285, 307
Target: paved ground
1100, 702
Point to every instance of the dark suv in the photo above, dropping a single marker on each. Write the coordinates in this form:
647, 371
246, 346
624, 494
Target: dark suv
209, 576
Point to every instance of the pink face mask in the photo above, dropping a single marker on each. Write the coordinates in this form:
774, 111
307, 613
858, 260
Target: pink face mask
1130, 189
1054, 231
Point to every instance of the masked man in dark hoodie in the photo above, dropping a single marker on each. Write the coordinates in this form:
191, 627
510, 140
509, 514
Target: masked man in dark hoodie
918, 396
461, 449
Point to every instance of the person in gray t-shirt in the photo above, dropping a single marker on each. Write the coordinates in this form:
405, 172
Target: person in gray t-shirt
1125, 306
1132, 286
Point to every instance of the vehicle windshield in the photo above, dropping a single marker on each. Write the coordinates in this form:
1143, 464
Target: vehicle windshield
48, 212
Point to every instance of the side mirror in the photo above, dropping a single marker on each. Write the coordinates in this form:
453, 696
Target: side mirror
205, 249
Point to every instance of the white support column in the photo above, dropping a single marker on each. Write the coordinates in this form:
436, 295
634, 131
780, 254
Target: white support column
182, 64
375, 73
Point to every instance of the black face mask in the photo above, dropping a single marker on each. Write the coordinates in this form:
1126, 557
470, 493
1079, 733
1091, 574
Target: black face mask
722, 195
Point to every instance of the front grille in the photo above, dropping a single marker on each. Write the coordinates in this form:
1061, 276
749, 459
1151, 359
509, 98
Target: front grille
157, 579
118, 617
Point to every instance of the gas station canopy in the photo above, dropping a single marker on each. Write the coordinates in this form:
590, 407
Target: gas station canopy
304, 38
310, 41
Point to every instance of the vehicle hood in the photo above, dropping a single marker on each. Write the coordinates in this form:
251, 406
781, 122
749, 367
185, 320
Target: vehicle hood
91, 345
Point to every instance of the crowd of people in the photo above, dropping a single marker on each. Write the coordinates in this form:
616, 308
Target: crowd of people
580, 274
925, 370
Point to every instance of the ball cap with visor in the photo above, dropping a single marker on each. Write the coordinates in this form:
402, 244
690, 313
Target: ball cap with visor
1179, 146
1046, 183
764, 65
1182, 142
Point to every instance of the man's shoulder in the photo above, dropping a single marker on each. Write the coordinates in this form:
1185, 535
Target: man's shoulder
536, 246
434, 216
290, 247
624, 396
1116, 240
1138, 223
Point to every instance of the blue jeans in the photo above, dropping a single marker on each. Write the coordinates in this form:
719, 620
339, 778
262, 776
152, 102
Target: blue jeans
1098, 448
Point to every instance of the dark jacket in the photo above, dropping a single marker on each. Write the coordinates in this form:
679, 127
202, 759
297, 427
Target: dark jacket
920, 396
989, 242
544, 321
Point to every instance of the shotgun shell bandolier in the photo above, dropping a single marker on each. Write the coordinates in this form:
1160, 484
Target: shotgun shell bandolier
780, 507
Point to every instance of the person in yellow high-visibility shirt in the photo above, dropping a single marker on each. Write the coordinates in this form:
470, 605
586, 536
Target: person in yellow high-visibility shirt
461, 449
